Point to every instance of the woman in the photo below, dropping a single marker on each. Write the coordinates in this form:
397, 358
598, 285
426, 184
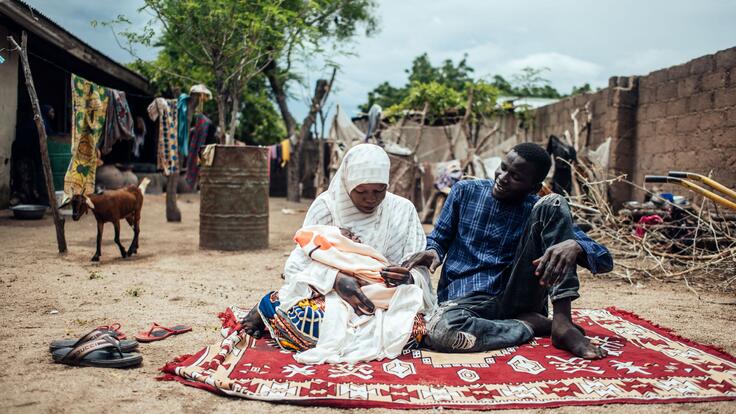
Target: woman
321, 313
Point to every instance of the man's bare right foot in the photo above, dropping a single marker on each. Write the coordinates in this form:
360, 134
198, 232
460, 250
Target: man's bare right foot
566, 336
541, 325
253, 323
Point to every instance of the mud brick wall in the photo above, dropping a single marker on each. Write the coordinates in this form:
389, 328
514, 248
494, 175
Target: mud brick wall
686, 119
678, 118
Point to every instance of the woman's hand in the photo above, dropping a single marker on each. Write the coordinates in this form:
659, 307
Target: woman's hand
396, 275
348, 288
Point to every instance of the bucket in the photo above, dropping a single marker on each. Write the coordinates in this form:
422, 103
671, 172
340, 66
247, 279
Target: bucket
233, 212
60, 154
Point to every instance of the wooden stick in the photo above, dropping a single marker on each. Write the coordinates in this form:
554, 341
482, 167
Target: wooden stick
421, 128
58, 220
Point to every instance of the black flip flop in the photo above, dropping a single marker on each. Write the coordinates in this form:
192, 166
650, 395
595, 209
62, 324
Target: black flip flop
126, 345
103, 352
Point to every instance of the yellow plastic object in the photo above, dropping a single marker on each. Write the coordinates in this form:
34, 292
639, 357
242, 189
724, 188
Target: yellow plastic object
693, 187
705, 180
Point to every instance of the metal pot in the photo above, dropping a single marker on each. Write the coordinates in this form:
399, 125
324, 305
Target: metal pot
29, 211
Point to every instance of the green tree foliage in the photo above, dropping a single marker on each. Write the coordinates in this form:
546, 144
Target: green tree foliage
529, 82
225, 44
439, 98
451, 75
579, 90
260, 122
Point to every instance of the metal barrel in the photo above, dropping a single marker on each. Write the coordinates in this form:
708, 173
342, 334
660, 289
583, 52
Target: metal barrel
233, 212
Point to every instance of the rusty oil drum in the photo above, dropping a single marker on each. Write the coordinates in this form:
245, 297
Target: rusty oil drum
233, 212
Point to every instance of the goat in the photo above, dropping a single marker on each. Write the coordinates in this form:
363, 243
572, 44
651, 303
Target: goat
111, 206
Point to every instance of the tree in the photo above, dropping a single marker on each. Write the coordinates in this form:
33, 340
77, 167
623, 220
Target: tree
579, 90
530, 83
320, 23
454, 76
225, 42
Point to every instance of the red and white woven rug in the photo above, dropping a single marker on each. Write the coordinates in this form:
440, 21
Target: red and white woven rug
646, 365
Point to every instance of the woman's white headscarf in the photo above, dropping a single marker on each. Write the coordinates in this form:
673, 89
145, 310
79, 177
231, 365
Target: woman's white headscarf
363, 164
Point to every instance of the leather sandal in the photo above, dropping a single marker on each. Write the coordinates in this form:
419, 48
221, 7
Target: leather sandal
125, 345
103, 352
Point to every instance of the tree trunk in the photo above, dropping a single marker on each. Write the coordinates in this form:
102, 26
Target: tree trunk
277, 87
233, 120
321, 89
58, 220
221, 115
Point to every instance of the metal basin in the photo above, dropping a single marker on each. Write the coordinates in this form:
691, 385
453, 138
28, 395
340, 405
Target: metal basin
29, 211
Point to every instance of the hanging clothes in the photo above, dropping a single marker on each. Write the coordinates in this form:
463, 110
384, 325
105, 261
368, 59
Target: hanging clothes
182, 107
202, 128
118, 122
89, 110
164, 111
285, 150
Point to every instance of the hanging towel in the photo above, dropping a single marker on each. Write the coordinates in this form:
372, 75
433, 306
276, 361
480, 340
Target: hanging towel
285, 150
182, 106
202, 128
118, 122
89, 109
163, 110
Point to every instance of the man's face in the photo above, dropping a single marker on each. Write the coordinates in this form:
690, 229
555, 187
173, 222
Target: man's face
514, 178
367, 197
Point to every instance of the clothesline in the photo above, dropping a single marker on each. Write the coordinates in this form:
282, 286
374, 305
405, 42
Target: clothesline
71, 73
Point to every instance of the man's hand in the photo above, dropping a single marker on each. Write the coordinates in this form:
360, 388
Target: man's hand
349, 290
396, 275
557, 261
428, 258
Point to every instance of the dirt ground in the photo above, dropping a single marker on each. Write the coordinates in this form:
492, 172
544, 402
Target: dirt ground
44, 296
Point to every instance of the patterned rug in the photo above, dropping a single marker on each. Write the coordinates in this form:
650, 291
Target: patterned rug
646, 365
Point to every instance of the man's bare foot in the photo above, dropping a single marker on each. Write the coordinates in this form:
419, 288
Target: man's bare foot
566, 336
541, 325
253, 323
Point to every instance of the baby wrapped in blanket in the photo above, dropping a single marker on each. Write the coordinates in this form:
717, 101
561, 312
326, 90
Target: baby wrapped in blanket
339, 248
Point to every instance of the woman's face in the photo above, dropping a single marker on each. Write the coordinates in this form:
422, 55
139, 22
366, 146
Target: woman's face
367, 197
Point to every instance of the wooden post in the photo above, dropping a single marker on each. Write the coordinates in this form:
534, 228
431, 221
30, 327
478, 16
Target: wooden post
58, 220
172, 210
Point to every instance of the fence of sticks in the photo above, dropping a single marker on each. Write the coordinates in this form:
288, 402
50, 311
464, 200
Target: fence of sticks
693, 244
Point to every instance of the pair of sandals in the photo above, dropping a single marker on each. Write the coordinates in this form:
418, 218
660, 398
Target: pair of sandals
103, 347
107, 347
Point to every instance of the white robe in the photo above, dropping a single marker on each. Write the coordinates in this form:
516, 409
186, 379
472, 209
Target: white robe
344, 336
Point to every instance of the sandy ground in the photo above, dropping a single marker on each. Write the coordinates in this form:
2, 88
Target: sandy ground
172, 281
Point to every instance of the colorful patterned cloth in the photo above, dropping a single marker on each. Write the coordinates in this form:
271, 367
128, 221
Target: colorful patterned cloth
298, 328
119, 121
202, 128
647, 364
182, 108
89, 109
165, 111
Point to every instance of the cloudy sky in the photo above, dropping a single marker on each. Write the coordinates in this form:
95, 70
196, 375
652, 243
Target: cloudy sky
579, 41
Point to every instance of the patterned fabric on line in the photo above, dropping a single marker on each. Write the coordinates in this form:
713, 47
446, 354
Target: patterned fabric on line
89, 108
165, 112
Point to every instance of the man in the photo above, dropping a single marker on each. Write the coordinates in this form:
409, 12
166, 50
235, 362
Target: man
505, 251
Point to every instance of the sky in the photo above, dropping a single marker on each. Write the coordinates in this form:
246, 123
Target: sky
579, 41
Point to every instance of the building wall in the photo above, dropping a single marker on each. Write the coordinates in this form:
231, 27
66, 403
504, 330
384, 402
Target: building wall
686, 119
8, 108
678, 118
